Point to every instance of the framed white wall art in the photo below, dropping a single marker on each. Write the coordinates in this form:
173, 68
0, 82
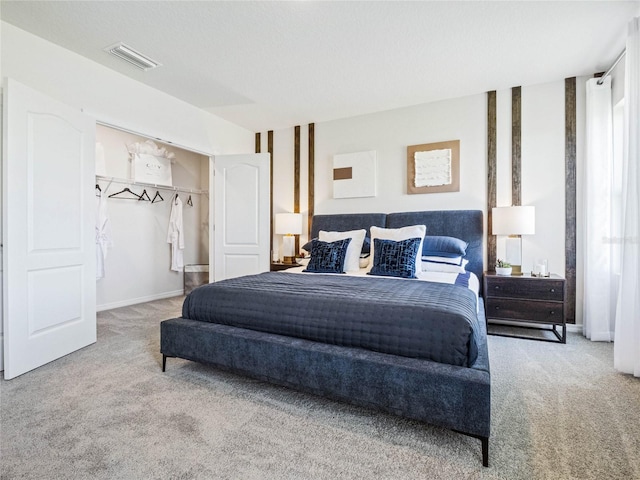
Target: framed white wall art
433, 167
354, 175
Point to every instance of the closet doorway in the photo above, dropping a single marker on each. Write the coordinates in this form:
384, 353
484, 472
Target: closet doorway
140, 263
138, 260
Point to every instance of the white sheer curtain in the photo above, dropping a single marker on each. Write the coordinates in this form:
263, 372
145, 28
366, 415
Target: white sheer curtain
600, 280
626, 349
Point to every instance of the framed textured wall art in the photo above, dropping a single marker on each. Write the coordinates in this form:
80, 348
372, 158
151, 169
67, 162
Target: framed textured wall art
354, 175
433, 167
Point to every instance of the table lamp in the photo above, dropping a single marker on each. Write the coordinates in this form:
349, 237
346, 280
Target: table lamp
288, 224
514, 222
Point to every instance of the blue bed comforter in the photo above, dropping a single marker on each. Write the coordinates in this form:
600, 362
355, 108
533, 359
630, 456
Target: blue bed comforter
409, 318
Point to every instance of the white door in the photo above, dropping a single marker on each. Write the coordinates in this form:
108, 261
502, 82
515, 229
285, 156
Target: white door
48, 229
241, 215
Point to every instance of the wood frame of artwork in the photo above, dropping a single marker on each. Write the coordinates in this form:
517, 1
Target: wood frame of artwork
454, 186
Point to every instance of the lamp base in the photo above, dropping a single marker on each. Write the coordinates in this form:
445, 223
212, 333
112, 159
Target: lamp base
513, 246
516, 270
288, 253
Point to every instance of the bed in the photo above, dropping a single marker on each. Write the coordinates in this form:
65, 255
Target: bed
412, 348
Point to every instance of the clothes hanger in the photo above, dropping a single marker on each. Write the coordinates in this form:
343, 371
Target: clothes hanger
144, 196
156, 197
98, 191
175, 199
190, 202
123, 191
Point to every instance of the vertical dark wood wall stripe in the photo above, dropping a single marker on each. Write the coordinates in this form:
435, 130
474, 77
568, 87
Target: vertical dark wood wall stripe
516, 142
270, 150
296, 179
311, 191
491, 175
258, 147
570, 196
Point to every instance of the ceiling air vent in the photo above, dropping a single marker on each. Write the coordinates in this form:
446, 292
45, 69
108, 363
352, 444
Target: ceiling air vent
130, 55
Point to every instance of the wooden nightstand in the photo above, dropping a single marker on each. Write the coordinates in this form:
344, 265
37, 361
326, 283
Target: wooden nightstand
527, 299
277, 266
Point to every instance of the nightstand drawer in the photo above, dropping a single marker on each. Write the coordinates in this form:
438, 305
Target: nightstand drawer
529, 310
538, 288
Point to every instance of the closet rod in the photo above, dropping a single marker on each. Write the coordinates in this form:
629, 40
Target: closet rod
606, 74
159, 187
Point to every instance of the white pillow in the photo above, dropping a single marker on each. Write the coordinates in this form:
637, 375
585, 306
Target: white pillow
397, 234
352, 259
443, 267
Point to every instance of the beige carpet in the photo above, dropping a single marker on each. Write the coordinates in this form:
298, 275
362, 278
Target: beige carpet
108, 412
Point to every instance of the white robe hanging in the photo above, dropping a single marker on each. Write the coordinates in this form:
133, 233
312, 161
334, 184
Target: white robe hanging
175, 235
103, 234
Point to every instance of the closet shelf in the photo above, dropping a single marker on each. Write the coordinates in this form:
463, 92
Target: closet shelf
126, 181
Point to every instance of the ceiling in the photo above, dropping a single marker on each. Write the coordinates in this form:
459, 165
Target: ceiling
271, 65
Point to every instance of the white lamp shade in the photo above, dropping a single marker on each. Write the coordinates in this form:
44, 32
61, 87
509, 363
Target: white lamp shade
513, 220
288, 223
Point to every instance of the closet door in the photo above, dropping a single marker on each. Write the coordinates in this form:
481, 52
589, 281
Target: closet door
49, 306
241, 215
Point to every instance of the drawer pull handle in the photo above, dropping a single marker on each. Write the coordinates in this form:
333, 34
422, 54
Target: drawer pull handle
553, 312
497, 287
553, 290
497, 308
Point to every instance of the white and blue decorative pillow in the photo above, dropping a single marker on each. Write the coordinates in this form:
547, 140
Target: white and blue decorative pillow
397, 234
436, 265
443, 254
327, 257
395, 259
352, 259
443, 260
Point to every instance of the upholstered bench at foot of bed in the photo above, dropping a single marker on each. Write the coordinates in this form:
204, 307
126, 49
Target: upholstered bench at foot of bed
445, 395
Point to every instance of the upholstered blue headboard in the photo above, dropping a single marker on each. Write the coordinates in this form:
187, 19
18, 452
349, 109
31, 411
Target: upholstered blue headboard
343, 222
464, 224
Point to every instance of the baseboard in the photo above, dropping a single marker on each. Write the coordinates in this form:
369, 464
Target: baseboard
572, 327
1, 352
135, 301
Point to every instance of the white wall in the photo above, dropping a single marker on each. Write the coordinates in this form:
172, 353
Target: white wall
388, 133
115, 99
543, 173
465, 119
581, 97
137, 267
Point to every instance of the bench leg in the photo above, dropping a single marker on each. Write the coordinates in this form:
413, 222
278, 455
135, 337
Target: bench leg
485, 446
164, 362
485, 451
